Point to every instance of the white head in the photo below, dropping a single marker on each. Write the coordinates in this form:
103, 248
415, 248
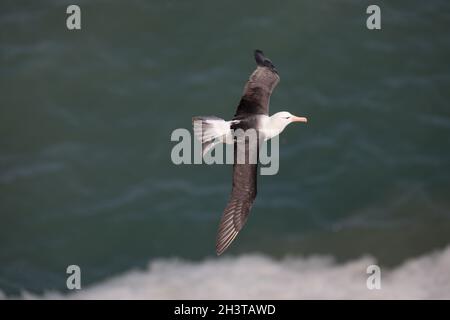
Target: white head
280, 120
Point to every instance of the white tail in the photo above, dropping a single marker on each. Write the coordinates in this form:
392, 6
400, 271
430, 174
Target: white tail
210, 131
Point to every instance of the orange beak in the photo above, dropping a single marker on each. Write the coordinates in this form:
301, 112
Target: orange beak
299, 119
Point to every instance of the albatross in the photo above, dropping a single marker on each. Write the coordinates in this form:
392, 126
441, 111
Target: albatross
252, 114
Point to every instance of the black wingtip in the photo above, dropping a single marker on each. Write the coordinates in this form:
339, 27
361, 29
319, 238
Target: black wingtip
259, 57
262, 61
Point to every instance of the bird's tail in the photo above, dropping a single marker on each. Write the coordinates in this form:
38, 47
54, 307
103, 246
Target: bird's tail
210, 131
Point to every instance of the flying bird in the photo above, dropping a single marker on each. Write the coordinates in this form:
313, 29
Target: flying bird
252, 114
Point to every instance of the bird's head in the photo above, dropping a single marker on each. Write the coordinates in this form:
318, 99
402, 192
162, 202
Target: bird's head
281, 119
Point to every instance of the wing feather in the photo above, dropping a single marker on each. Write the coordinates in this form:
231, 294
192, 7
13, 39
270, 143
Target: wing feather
259, 87
243, 194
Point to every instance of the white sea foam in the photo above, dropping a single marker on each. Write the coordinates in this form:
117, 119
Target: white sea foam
259, 277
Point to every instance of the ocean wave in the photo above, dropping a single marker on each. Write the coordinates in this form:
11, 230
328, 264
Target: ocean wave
27, 171
260, 277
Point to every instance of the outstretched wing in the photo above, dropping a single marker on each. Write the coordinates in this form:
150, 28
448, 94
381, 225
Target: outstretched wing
243, 194
257, 91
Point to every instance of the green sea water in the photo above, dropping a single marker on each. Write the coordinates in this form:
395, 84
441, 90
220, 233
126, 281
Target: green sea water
86, 116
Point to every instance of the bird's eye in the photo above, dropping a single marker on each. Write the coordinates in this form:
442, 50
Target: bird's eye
287, 117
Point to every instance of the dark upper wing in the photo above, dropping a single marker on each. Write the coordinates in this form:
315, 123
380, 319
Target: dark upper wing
243, 194
257, 91
236, 212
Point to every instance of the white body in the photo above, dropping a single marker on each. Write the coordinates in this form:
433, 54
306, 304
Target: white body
219, 130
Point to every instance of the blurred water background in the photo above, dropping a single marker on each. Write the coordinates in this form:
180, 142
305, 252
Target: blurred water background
86, 116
